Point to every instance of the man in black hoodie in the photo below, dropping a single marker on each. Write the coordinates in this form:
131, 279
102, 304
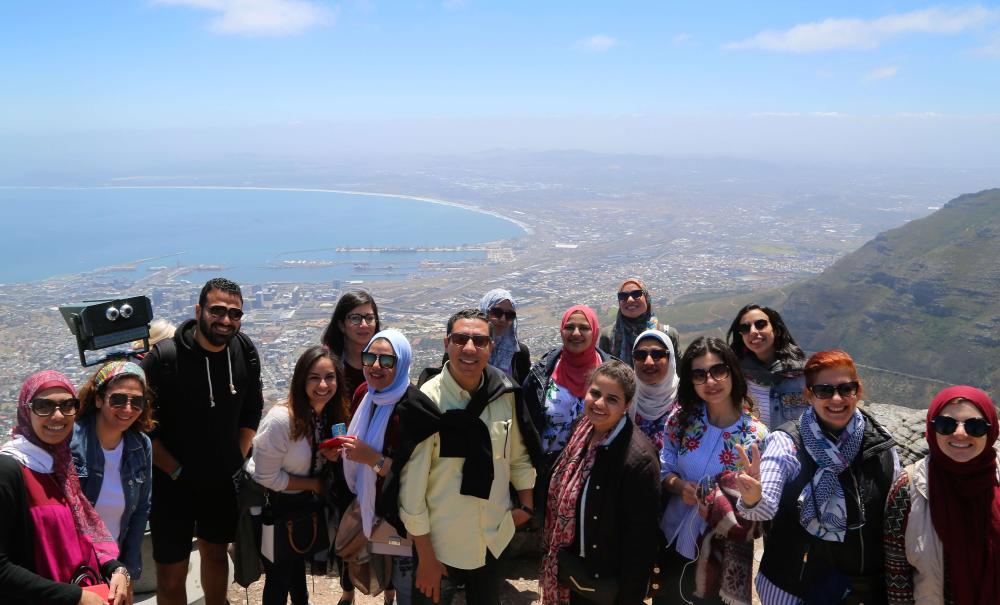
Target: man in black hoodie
208, 402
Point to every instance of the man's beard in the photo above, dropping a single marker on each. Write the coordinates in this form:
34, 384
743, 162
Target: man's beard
218, 340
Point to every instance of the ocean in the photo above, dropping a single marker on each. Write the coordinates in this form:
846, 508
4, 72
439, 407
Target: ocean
256, 235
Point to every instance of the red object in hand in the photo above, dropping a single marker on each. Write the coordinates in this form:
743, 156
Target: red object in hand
101, 590
334, 442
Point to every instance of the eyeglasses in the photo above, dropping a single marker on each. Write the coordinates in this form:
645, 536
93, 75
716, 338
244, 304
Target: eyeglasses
656, 354
120, 400
718, 372
974, 427
636, 294
357, 318
480, 341
844, 389
499, 313
46, 407
220, 311
385, 360
759, 324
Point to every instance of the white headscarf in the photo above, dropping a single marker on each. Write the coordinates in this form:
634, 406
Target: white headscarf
653, 400
360, 477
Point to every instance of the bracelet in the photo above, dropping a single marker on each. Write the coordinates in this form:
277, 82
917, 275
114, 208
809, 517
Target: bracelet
124, 571
174, 475
527, 509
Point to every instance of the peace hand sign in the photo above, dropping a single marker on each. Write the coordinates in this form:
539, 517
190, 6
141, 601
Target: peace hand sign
748, 481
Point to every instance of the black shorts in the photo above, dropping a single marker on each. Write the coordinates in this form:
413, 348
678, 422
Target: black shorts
184, 509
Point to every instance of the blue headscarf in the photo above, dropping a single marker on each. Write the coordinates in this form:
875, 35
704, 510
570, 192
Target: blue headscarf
360, 477
504, 346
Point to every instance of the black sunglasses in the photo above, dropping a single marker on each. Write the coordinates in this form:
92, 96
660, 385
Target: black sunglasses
46, 407
760, 324
357, 318
718, 372
636, 294
656, 354
974, 427
480, 341
499, 313
220, 311
120, 400
844, 389
385, 360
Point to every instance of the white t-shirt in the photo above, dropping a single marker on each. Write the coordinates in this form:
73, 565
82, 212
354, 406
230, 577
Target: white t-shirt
762, 397
110, 503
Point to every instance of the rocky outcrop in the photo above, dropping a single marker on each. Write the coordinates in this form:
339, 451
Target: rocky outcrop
906, 425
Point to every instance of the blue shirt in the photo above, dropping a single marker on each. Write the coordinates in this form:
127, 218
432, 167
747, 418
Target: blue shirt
136, 478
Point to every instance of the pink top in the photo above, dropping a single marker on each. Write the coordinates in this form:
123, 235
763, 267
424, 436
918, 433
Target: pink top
59, 548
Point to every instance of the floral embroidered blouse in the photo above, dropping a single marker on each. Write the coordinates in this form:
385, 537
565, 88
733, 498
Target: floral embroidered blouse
561, 409
699, 450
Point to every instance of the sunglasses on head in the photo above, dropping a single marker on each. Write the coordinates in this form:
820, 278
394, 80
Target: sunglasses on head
844, 389
718, 372
760, 324
656, 354
974, 427
480, 341
220, 311
46, 407
385, 360
499, 313
357, 318
636, 294
120, 400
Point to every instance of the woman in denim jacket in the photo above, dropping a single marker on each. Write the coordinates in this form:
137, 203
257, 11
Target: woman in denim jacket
772, 363
113, 455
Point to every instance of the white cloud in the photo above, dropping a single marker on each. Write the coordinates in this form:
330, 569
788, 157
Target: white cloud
866, 34
682, 38
882, 73
597, 43
261, 17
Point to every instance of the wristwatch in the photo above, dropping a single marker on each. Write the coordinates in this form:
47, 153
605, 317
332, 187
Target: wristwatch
124, 571
527, 509
377, 467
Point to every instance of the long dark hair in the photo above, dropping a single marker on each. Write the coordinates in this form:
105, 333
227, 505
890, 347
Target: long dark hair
687, 397
333, 337
785, 346
298, 400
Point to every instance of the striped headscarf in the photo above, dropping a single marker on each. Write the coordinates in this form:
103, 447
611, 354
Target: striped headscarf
505, 345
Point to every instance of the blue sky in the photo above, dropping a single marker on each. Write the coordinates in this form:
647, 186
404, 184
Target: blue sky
168, 65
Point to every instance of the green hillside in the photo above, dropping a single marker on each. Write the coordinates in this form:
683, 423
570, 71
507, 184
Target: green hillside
921, 301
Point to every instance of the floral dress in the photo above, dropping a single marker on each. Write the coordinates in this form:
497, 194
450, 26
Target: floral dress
562, 408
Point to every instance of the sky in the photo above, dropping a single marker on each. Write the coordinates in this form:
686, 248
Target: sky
874, 79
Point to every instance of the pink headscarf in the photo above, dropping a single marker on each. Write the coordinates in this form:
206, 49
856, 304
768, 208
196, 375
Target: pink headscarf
572, 369
965, 505
88, 523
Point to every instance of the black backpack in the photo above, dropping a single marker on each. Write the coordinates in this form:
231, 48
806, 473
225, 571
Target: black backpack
167, 350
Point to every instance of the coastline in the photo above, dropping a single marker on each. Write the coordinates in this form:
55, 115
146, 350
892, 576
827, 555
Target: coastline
528, 230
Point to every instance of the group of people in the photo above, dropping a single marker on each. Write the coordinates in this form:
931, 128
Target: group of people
649, 472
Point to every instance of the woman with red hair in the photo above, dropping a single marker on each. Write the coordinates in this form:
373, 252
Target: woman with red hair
942, 527
823, 482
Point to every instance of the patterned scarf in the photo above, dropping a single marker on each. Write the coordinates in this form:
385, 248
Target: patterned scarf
725, 566
505, 345
569, 476
628, 328
965, 506
87, 521
822, 507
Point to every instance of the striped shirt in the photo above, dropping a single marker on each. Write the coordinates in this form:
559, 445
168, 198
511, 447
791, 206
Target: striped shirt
779, 465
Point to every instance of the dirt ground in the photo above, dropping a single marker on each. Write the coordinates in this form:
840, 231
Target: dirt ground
521, 587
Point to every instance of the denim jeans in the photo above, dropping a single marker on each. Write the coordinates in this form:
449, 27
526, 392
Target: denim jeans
403, 569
